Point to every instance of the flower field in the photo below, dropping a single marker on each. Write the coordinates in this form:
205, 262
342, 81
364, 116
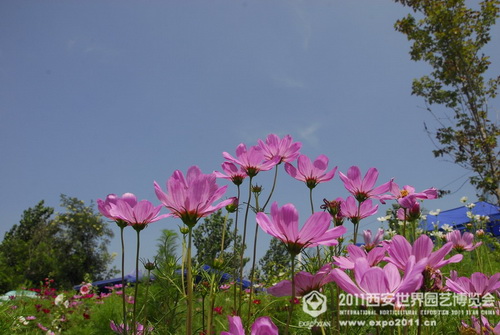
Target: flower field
401, 280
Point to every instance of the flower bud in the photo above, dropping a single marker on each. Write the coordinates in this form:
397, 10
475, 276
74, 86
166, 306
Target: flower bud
233, 207
150, 266
257, 189
218, 263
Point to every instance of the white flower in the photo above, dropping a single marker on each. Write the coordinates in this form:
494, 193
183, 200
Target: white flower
471, 205
59, 299
22, 320
423, 217
437, 234
484, 218
470, 215
384, 218
390, 233
446, 227
463, 200
435, 213
419, 231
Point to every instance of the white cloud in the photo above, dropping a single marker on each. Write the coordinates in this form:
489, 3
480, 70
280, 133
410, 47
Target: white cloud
287, 82
309, 134
303, 22
92, 48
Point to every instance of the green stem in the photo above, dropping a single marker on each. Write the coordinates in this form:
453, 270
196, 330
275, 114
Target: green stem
211, 304
146, 304
244, 242
223, 235
252, 273
318, 251
235, 253
404, 224
413, 230
252, 277
479, 259
203, 311
183, 263
356, 224
480, 318
189, 318
272, 189
136, 289
124, 302
311, 200
337, 305
292, 301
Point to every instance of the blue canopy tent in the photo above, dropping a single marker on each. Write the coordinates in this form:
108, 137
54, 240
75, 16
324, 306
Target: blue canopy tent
103, 284
224, 277
457, 218
132, 278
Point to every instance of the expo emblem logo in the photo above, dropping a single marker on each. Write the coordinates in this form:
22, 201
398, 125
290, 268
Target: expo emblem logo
314, 303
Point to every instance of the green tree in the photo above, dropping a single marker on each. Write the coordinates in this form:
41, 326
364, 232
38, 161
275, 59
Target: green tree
275, 264
26, 253
207, 238
167, 248
82, 238
65, 248
450, 37
165, 303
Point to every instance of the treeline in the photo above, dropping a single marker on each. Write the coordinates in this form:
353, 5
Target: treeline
67, 247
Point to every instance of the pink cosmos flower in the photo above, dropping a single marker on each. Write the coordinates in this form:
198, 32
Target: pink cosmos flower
410, 210
311, 173
284, 148
119, 329
400, 251
363, 189
487, 329
333, 207
191, 198
42, 327
262, 326
111, 200
252, 161
134, 213
373, 257
407, 190
370, 242
232, 173
380, 285
479, 284
349, 209
284, 225
462, 242
85, 289
304, 283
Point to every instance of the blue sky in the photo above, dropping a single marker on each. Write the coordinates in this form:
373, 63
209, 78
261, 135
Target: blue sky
100, 97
